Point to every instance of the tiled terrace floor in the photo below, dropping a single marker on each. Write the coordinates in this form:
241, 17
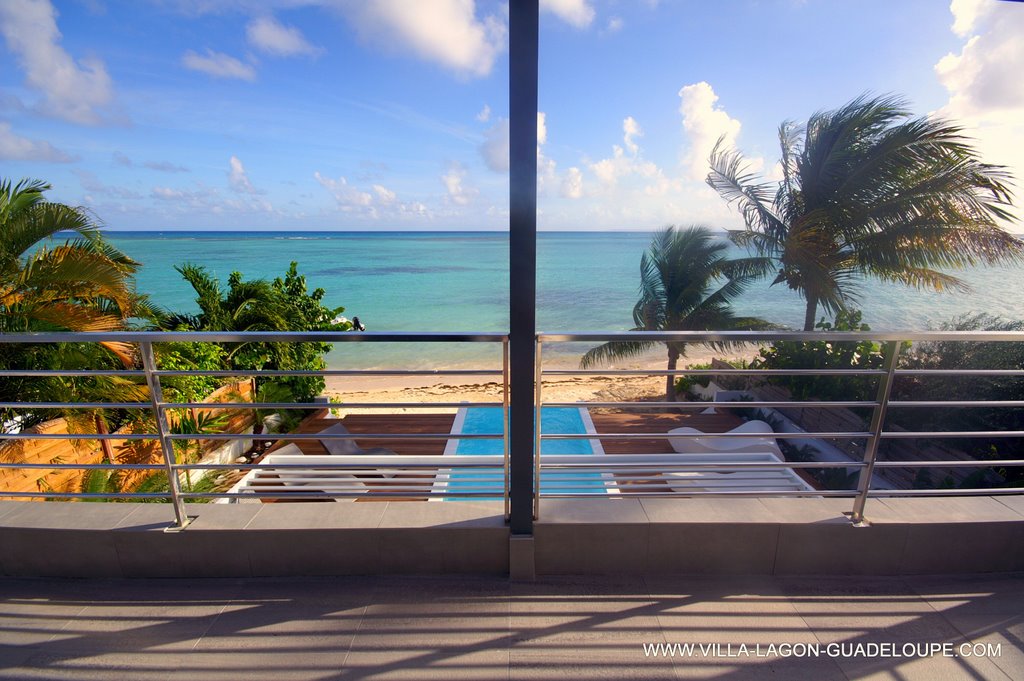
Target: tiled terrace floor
425, 628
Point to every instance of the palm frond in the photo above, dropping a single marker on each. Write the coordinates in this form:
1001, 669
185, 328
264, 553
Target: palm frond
615, 350
730, 178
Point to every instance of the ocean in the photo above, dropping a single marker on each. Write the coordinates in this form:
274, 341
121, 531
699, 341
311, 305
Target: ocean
458, 281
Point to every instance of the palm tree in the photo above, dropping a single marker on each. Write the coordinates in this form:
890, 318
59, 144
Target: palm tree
868, 191
687, 283
84, 284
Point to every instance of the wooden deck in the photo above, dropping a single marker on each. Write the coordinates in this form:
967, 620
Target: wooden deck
379, 423
655, 423
442, 423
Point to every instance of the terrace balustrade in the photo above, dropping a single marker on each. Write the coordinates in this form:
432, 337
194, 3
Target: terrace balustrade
404, 477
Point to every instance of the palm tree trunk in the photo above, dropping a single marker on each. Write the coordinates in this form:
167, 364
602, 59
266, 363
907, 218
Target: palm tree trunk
670, 380
811, 313
105, 446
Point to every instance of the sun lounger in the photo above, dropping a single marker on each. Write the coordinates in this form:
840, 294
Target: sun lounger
721, 443
349, 447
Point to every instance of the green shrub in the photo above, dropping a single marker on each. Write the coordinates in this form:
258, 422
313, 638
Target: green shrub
684, 383
863, 355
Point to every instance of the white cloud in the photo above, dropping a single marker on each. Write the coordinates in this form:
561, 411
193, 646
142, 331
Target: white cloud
986, 92
485, 114
704, 123
572, 183
967, 13
16, 148
494, 150
209, 200
268, 35
457, 192
985, 76
348, 197
381, 203
168, 194
238, 179
447, 32
546, 175
627, 190
631, 129
384, 195
615, 25
72, 91
218, 65
579, 13
619, 165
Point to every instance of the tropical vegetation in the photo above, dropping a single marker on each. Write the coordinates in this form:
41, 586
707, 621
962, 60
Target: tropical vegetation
863, 355
79, 284
284, 304
51, 282
867, 190
982, 355
687, 283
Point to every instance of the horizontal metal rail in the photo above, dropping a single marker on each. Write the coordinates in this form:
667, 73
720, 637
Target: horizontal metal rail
672, 436
913, 434
325, 405
43, 373
336, 436
736, 404
767, 336
75, 405
252, 436
253, 337
713, 372
956, 403
960, 372
332, 372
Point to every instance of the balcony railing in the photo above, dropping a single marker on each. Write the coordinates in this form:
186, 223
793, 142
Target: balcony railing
636, 474
406, 484
648, 479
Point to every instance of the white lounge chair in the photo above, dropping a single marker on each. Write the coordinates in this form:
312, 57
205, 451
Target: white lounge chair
300, 479
721, 444
349, 447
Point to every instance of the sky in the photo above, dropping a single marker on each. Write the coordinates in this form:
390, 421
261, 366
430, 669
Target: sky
393, 114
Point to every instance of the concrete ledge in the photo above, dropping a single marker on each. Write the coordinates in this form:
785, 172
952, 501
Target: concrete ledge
53, 539
780, 536
586, 536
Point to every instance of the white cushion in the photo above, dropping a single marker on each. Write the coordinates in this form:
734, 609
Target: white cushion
290, 448
715, 443
339, 447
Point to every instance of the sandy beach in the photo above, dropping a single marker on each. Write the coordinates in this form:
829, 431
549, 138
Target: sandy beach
430, 389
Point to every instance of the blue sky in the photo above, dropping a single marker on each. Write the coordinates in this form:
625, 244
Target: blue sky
344, 114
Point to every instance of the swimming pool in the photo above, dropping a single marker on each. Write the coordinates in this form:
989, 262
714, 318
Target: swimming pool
554, 420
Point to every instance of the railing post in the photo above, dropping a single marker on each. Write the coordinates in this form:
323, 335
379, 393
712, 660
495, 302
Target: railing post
538, 382
504, 418
163, 429
524, 23
877, 423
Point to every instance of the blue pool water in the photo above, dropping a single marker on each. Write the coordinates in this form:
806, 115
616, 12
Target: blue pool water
554, 420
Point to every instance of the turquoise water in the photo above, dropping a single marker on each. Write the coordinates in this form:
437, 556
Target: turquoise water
554, 420
458, 281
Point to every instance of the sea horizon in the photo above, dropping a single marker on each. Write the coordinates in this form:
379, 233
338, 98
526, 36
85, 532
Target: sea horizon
457, 280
